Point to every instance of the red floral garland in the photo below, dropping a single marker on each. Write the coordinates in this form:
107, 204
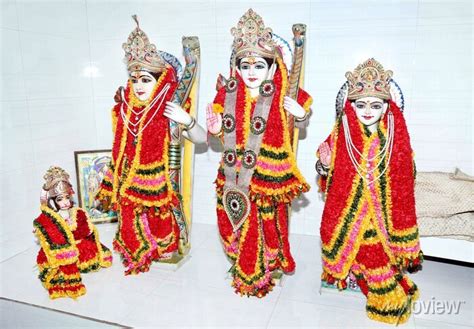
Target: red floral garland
262, 245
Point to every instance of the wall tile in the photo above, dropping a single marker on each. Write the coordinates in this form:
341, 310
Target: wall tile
108, 56
102, 113
431, 12
64, 19
9, 15
112, 20
12, 83
60, 75
15, 154
55, 66
14, 113
362, 15
15, 184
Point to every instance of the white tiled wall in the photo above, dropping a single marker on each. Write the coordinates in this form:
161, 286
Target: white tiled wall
62, 62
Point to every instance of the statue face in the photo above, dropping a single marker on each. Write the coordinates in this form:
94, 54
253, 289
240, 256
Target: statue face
369, 110
254, 70
63, 201
143, 84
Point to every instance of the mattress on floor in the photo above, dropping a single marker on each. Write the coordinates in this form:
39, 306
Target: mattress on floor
445, 204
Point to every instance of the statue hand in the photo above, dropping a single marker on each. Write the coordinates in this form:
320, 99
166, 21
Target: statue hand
118, 95
177, 114
213, 121
292, 106
325, 154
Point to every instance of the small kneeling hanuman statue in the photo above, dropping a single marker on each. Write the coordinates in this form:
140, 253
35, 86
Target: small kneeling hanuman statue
69, 242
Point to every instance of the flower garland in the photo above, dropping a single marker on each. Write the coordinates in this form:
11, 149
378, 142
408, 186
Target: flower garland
55, 238
144, 179
252, 277
66, 251
138, 183
261, 245
147, 182
276, 177
358, 232
150, 246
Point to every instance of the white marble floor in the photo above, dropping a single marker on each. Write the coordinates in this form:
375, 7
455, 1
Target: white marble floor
199, 295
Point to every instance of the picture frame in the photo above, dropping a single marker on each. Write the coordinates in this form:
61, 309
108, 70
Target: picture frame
91, 167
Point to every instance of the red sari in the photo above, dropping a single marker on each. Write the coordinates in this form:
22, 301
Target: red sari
370, 229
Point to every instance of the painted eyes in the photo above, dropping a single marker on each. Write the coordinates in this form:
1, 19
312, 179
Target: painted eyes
62, 198
376, 106
143, 80
373, 106
258, 66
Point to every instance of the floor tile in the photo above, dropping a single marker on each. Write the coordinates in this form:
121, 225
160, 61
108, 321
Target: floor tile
199, 293
12, 315
183, 303
293, 314
421, 323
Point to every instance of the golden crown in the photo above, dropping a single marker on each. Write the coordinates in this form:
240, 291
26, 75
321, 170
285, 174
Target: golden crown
140, 54
369, 79
57, 182
252, 38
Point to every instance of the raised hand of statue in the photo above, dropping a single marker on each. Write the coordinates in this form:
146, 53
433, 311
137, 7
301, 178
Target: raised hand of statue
325, 154
213, 121
176, 113
118, 95
292, 106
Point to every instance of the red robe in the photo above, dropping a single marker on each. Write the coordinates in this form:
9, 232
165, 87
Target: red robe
370, 229
261, 244
68, 250
138, 184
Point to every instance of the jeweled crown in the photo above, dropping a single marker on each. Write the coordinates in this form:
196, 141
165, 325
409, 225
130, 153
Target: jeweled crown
140, 54
57, 182
369, 79
252, 38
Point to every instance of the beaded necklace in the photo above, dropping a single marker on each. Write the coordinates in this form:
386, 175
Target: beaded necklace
131, 126
385, 152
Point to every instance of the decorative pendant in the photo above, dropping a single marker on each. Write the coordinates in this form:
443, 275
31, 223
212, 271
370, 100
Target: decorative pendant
267, 88
228, 123
230, 158
231, 85
249, 159
236, 206
258, 125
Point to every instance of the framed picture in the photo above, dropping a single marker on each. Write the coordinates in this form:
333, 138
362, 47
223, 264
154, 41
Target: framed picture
91, 167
